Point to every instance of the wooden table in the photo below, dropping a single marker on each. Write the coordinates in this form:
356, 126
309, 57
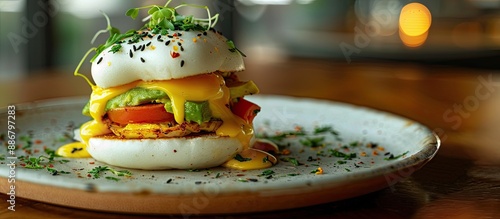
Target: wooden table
461, 105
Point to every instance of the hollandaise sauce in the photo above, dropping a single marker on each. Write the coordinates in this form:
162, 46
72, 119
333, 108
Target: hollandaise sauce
207, 87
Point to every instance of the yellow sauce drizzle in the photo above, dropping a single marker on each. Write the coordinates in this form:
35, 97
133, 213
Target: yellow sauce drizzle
74, 150
204, 87
257, 160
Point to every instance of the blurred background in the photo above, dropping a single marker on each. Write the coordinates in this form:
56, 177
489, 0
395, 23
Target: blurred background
37, 35
433, 61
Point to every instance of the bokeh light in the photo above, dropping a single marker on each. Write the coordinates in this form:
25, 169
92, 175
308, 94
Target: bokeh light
414, 23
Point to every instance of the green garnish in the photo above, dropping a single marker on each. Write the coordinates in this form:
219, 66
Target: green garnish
281, 136
115, 48
96, 172
55, 172
266, 173
165, 17
315, 170
292, 160
36, 162
161, 20
336, 153
240, 158
233, 48
313, 142
341, 161
392, 157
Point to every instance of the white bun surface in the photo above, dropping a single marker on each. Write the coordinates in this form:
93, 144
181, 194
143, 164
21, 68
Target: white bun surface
168, 153
201, 52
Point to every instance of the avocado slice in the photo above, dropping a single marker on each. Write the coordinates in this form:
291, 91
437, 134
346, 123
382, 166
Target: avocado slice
194, 111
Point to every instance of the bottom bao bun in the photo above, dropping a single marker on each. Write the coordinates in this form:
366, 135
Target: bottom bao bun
196, 152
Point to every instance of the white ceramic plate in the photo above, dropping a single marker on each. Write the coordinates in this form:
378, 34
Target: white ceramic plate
387, 148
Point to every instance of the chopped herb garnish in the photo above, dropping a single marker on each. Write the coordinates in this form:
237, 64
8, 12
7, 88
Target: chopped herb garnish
337, 153
341, 161
217, 175
266, 173
115, 48
63, 161
392, 157
240, 158
36, 162
55, 172
313, 142
292, 160
97, 171
348, 170
281, 136
354, 144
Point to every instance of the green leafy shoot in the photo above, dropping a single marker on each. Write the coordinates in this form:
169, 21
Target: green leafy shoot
233, 48
97, 171
164, 17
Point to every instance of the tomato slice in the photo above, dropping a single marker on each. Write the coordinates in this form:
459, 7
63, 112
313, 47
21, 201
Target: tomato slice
245, 110
149, 113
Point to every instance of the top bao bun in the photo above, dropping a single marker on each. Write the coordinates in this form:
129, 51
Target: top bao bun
206, 54
155, 62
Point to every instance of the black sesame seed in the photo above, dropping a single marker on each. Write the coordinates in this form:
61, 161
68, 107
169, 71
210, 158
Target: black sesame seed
205, 33
182, 63
159, 37
197, 182
170, 36
179, 43
143, 47
135, 48
179, 34
169, 180
166, 43
131, 54
142, 60
199, 34
160, 40
99, 61
182, 48
150, 36
148, 43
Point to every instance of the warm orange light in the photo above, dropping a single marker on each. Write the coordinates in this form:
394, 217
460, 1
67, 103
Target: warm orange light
413, 41
414, 23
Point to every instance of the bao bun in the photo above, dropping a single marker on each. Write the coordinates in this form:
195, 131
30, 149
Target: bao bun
198, 52
165, 153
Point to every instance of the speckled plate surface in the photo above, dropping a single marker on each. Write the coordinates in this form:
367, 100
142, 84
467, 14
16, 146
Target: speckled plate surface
359, 150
